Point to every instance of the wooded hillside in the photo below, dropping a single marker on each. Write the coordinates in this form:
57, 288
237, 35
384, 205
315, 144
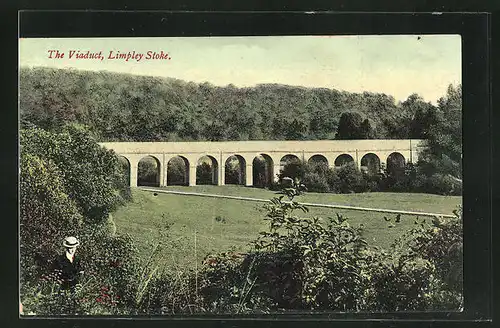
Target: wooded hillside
122, 107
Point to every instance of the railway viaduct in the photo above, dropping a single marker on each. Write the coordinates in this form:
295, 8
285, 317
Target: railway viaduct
368, 155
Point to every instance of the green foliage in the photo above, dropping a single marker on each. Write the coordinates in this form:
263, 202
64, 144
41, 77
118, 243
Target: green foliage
107, 286
68, 186
47, 215
293, 170
311, 264
307, 263
93, 177
348, 179
352, 126
120, 107
425, 271
445, 241
204, 172
422, 114
176, 172
148, 173
258, 171
440, 164
234, 170
320, 178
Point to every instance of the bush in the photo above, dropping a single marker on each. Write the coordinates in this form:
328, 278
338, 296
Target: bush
93, 176
68, 186
204, 174
293, 170
176, 172
316, 177
442, 244
348, 179
147, 173
47, 215
320, 178
438, 184
311, 264
424, 271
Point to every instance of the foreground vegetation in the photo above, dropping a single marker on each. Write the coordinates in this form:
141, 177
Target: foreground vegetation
294, 260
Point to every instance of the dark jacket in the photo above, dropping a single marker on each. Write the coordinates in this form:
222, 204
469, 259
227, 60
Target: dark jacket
67, 272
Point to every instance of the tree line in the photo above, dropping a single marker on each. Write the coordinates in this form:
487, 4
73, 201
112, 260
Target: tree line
121, 107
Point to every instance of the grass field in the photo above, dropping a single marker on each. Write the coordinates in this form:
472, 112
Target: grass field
202, 225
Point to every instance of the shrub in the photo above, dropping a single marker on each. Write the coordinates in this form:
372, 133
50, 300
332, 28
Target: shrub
316, 176
68, 186
147, 172
176, 172
320, 178
347, 179
204, 174
92, 175
293, 169
47, 215
424, 271
316, 182
299, 263
438, 183
325, 260
442, 244
311, 264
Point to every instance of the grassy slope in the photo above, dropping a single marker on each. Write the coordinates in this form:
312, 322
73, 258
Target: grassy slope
242, 220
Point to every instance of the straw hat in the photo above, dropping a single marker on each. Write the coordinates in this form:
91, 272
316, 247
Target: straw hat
70, 242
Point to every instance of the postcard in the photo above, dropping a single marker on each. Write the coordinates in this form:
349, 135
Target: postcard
237, 175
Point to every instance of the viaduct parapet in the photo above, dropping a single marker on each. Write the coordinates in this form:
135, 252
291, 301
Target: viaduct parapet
366, 154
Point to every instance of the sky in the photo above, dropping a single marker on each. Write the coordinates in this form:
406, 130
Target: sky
397, 65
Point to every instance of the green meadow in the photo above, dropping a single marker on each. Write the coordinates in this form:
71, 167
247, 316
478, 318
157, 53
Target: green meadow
190, 227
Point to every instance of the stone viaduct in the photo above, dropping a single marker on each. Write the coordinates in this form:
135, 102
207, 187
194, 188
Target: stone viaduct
368, 155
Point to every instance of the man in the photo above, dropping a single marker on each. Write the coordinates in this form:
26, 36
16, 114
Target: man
67, 265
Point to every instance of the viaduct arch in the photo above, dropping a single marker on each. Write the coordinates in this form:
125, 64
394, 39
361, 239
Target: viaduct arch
366, 154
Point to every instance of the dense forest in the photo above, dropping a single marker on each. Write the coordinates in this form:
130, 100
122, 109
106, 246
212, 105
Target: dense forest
122, 107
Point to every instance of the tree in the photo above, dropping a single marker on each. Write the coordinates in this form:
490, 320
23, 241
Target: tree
47, 214
352, 126
440, 163
68, 186
419, 116
204, 174
445, 137
365, 130
118, 107
147, 172
93, 176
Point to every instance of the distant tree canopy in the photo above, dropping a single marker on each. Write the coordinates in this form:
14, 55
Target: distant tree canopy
121, 107
443, 154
